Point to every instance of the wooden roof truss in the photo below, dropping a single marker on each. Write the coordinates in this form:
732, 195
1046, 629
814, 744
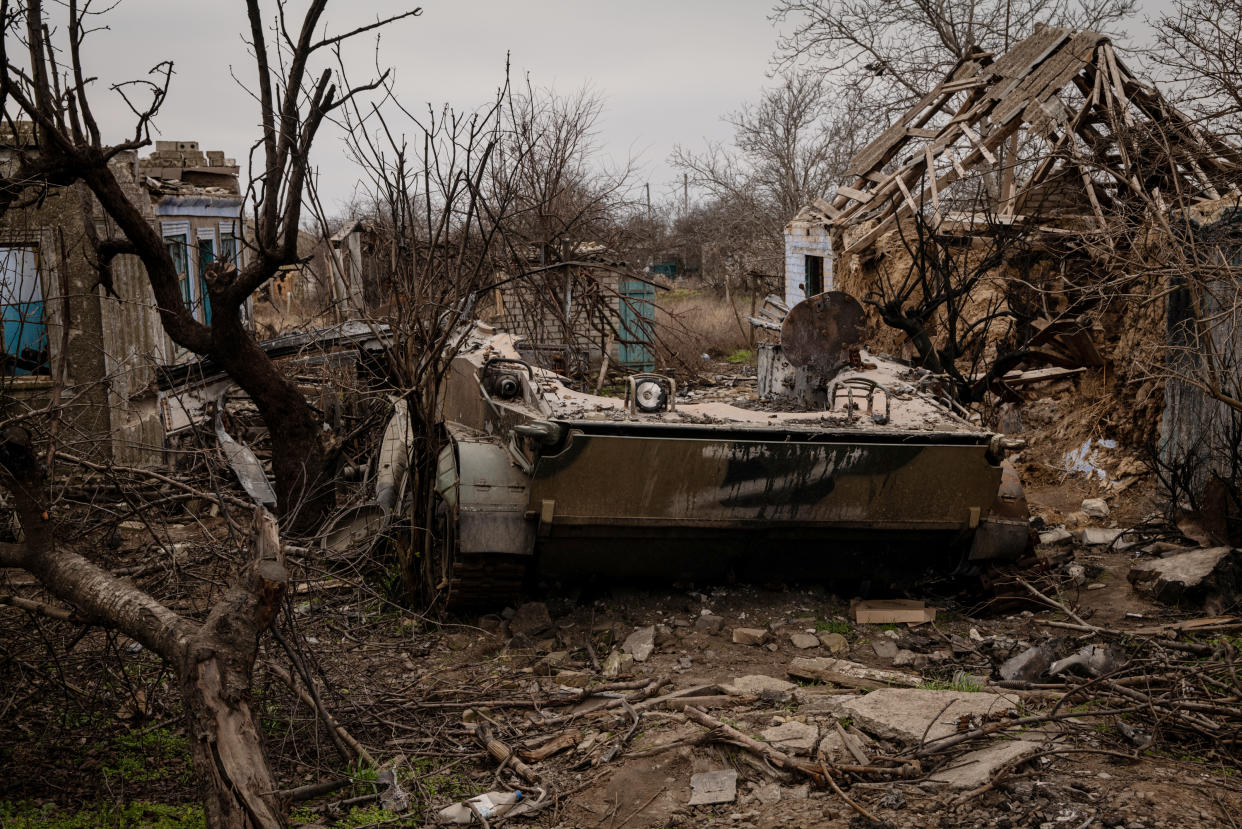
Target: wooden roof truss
1072, 104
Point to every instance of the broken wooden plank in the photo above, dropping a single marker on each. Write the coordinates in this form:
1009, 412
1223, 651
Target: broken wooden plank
978, 143
1041, 375
822, 205
892, 611
851, 193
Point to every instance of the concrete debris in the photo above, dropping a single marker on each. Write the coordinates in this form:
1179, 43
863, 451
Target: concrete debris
975, 769
709, 787
1056, 535
847, 673
802, 641
617, 663
1093, 660
1097, 536
640, 643
1189, 576
768, 794
792, 737
834, 642
531, 619
750, 636
709, 623
1095, 508
1031, 664
816, 699
907, 714
758, 685
908, 658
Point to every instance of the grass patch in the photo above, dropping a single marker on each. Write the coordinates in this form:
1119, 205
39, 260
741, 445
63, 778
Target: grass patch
834, 626
961, 681
136, 815
741, 355
157, 755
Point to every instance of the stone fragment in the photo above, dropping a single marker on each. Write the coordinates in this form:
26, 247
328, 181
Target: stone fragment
1190, 576
1095, 508
817, 699
758, 685
750, 636
1056, 535
1092, 660
459, 641
1097, 536
1029, 665
834, 642
768, 794
709, 623
802, 641
640, 643
907, 714
531, 619
884, 647
908, 658
617, 663
976, 768
792, 737
711, 787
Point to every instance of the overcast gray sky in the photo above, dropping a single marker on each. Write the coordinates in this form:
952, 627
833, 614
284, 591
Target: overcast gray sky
667, 69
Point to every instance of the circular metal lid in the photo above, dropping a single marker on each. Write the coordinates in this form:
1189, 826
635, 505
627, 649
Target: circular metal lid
819, 332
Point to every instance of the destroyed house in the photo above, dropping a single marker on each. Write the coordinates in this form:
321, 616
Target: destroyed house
1058, 144
101, 347
1057, 133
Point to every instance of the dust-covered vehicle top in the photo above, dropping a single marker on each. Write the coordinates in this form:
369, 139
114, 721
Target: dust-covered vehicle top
651, 485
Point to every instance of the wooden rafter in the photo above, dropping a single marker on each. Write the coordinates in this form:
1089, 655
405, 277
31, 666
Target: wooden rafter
1023, 92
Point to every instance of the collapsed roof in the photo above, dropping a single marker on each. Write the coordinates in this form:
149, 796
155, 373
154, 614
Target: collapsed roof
1057, 127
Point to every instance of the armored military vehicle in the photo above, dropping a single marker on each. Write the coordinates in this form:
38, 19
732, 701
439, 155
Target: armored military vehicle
866, 466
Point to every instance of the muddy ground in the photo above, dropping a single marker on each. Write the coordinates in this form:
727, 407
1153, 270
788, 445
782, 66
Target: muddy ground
92, 727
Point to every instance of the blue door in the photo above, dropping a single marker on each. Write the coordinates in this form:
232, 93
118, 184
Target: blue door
637, 315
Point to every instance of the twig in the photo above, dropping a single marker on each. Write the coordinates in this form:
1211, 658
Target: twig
648, 802
824, 768
1059, 606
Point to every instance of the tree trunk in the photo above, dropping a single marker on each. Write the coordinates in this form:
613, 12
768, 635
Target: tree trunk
301, 463
213, 661
215, 672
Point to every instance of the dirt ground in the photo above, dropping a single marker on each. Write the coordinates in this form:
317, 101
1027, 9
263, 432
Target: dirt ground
91, 719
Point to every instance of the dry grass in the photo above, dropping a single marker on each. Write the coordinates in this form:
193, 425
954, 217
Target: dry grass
693, 322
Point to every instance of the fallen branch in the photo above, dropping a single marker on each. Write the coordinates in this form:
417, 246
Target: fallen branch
824, 768
504, 754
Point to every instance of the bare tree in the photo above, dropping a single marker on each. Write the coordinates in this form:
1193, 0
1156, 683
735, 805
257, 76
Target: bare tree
44, 92
1199, 44
789, 147
294, 103
893, 51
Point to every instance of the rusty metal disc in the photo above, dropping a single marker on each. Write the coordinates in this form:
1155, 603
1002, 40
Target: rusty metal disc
819, 332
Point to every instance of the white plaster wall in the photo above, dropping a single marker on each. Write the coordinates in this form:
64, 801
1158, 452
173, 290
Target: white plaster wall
805, 239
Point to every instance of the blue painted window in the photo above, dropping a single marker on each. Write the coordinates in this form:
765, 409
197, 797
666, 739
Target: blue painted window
21, 309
